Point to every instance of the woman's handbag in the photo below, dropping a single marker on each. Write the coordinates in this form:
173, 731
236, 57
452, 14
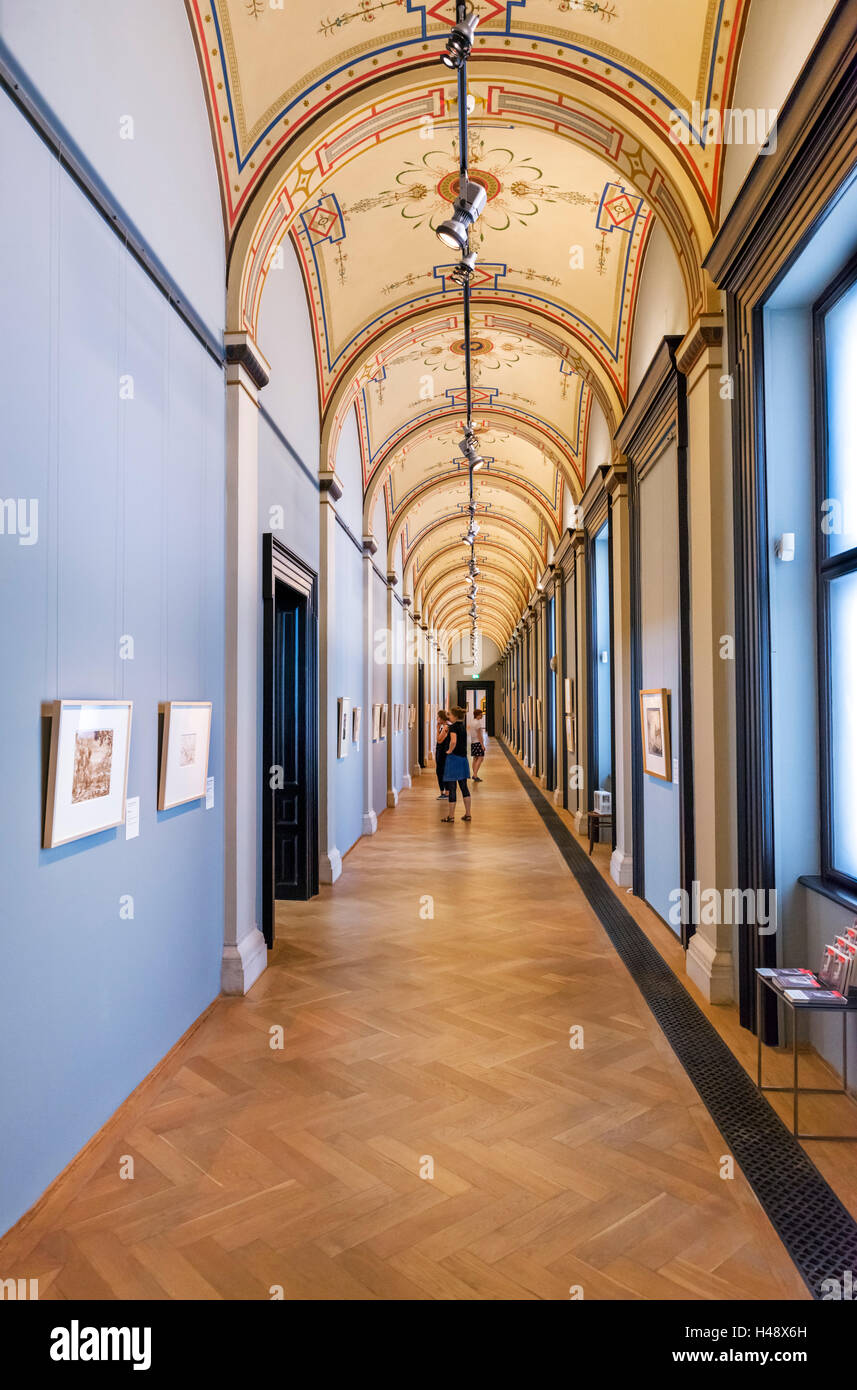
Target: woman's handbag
456, 768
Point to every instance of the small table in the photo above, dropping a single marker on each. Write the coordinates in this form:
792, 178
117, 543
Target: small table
595, 821
848, 1007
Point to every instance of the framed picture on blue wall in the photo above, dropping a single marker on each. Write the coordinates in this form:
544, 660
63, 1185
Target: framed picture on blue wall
184, 752
655, 730
87, 768
343, 735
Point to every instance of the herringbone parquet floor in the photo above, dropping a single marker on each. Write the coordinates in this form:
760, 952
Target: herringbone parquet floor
426, 1130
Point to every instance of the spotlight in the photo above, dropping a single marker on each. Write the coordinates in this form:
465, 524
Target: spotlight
463, 273
460, 42
465, 210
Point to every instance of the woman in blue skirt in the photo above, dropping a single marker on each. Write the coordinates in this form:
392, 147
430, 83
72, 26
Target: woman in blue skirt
457, 769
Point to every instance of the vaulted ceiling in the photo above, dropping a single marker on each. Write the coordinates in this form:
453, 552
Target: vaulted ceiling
336, 126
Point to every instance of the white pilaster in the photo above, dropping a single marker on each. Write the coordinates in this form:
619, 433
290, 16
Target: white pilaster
330, 859
245, 953
700, 358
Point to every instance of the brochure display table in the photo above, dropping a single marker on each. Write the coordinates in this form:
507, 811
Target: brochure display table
848, 1006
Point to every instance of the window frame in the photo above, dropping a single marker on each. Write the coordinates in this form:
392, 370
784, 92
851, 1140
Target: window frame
828, 568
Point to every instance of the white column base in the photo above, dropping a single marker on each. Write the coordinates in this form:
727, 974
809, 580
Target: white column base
370, 822
710, 969
243, 964
392, 797
543, 781
406, 781
581, 822
418, 772
330, 866
620, 868
557, 796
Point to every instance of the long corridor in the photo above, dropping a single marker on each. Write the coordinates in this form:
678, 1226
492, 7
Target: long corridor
397, 1110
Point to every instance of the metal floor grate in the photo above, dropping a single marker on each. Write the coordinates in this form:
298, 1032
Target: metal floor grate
814, 1226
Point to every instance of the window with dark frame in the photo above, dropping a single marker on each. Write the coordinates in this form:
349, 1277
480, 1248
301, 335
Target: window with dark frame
835, 339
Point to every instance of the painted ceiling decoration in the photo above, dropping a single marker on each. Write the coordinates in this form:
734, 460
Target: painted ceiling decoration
336, 132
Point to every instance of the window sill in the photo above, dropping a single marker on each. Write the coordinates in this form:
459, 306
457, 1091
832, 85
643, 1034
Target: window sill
830, 890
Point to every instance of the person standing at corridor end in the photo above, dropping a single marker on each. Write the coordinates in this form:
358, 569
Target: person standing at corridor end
457, 769
478, 736
441, 739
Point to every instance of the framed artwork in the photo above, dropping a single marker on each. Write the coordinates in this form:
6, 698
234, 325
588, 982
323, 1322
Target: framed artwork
655, 728
88, 768
376, 723
569, 733
343, 731
412, 716
384, 712
356, 716
184, 752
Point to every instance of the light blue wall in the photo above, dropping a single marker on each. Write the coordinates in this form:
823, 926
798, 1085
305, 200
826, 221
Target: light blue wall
350, 471
285, 337
131, 535
288, 494
93, 64
659, 611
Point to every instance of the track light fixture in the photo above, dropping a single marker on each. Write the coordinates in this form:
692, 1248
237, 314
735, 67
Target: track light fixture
465, 211
460, 42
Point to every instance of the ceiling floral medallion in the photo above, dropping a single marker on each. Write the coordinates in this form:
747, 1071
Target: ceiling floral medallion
515, 186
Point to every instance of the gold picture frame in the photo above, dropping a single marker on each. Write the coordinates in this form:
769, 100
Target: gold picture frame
186, 724
655, 733
87, 768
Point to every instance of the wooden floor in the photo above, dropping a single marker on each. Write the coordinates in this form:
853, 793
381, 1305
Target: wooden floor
415, 1044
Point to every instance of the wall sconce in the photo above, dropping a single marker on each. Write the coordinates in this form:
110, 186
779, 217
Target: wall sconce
785, 546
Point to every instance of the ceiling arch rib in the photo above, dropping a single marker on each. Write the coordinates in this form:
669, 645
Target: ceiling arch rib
498, 496
432, 446
456, 580
570, 139
499, 600
448, 531
458, 609
494, 558
611, 123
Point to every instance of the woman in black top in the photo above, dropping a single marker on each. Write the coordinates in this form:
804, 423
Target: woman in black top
457, 769
444, 719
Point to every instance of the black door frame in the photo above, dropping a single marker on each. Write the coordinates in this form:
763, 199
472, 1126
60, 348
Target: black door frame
656, 415
488, 687
280, 566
